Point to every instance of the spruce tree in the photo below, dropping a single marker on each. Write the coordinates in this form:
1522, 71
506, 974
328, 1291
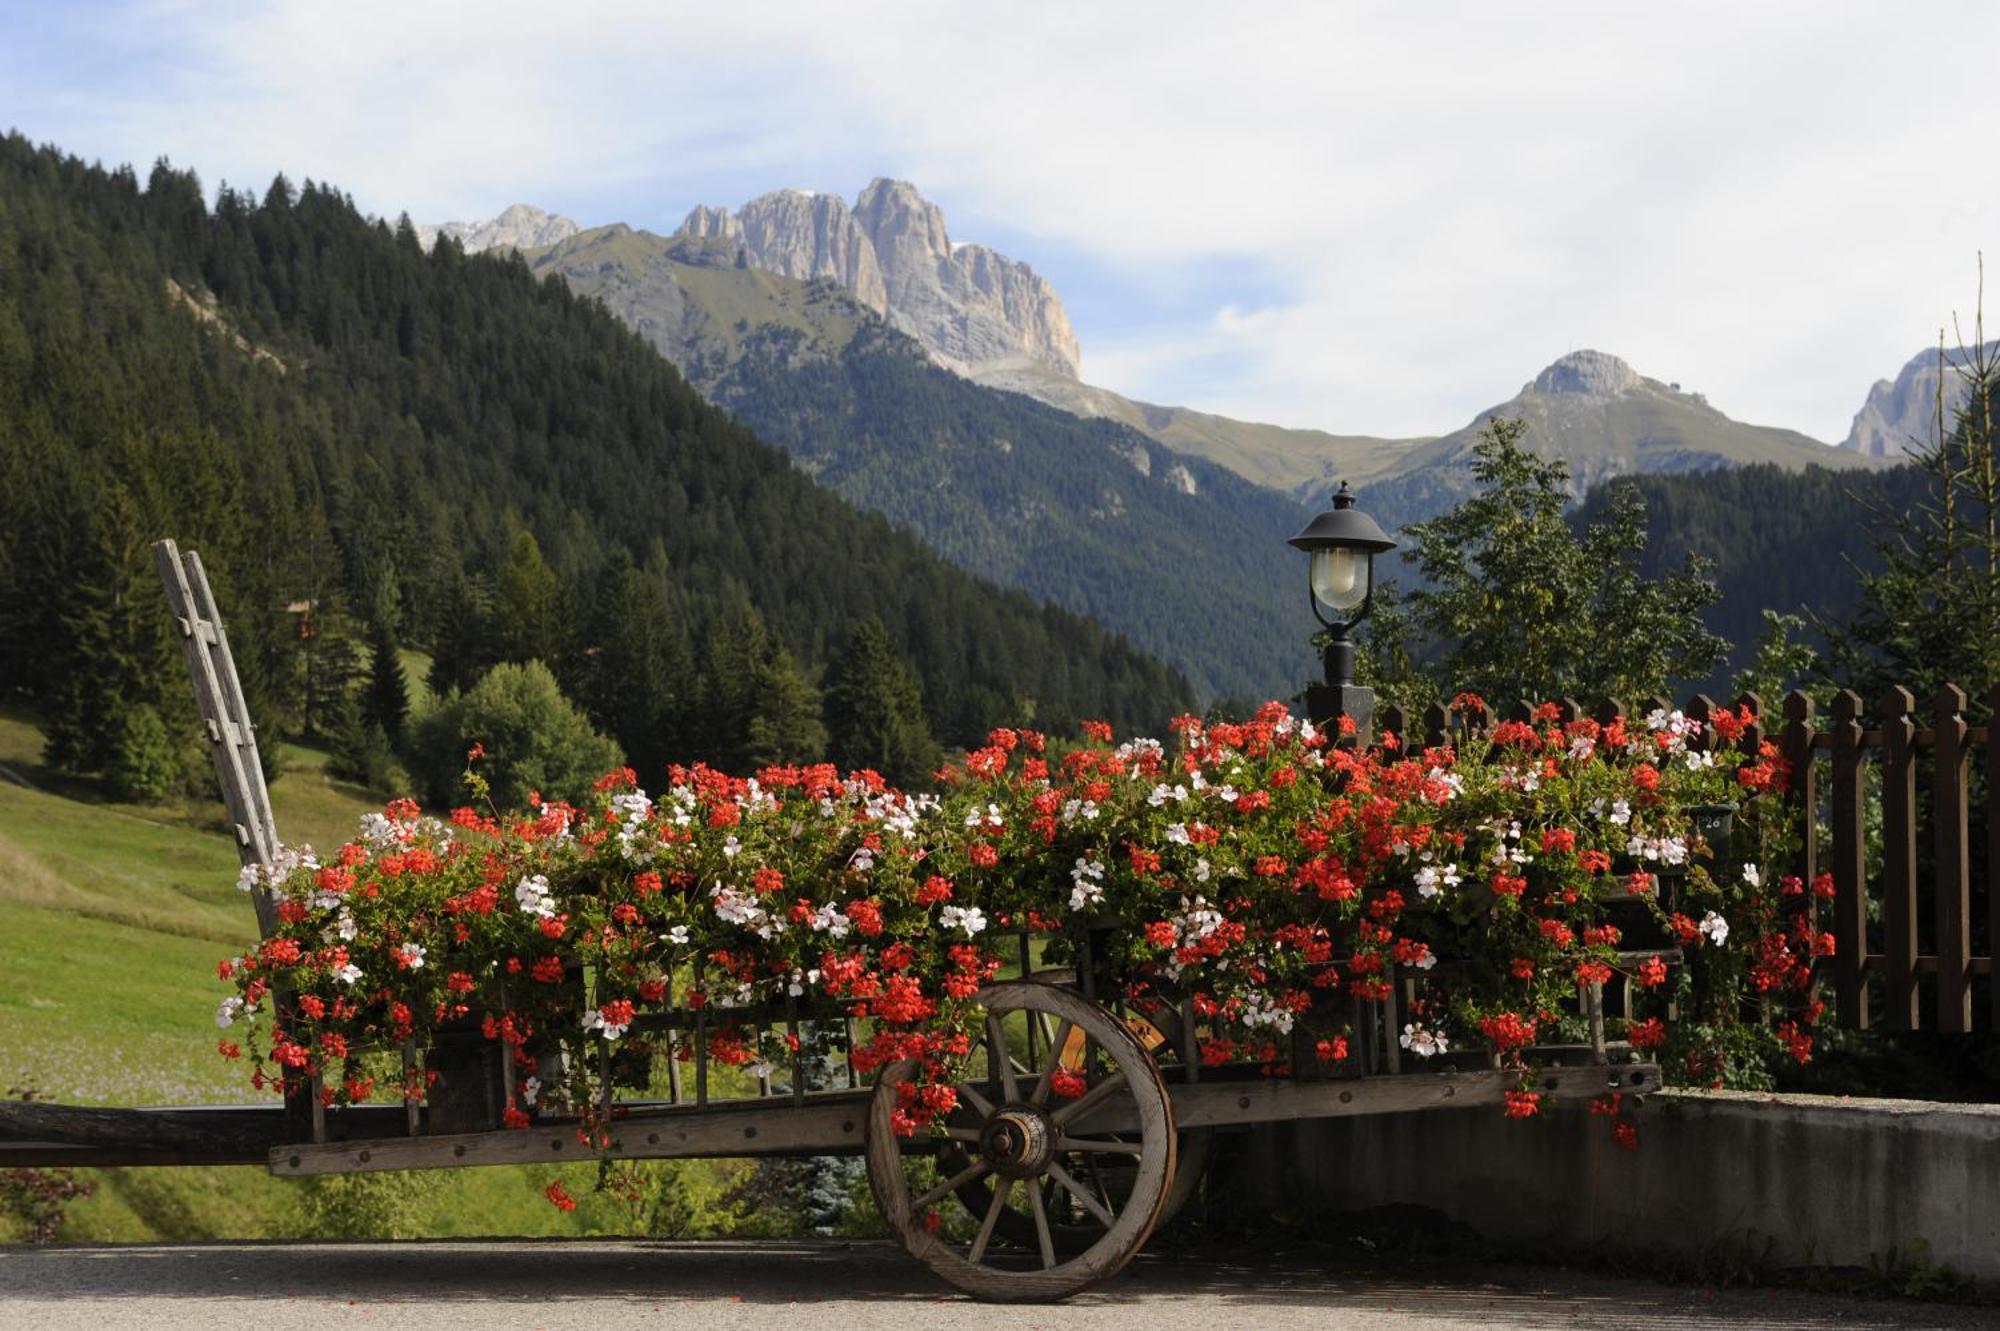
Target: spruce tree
875, 709
386, 705
527, 604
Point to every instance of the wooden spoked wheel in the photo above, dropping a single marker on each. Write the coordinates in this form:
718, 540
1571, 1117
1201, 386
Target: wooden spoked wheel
1075, 1228
1030, 1124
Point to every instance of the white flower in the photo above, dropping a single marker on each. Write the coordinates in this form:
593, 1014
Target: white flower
1751, 876
969, 918
1227, 794
1177, 834
535, 897
345, 926
1074, 810
249, 877
1422, 1042
531, 1091
348, 974
1621, 812
1086, 883
225, 1016
412, 955
1429, 879
1716, 928
761, 1069
731, 848
1164, 792
678, 935
1696, 760
801, 981
828, 919
990, 817
1201, 870
735, 908
594, 1020
633, 806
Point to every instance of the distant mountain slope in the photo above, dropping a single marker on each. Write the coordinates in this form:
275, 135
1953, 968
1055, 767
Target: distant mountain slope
1185, 556
1606, 420
1277, 456
1901, 417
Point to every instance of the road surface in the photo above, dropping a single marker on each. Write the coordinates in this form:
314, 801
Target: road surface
614, 1284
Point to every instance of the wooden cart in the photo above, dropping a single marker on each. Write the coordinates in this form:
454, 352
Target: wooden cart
1081, 1126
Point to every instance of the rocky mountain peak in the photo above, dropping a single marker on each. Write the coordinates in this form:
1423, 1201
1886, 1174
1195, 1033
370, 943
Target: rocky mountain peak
1900, 415
521, 227
908, 229
1592, 373
806, 235
704, 222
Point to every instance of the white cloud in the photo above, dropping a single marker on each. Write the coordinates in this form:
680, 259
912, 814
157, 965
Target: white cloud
1774, 206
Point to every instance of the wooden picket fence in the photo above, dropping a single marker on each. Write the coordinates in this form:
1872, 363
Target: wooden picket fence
1904, 928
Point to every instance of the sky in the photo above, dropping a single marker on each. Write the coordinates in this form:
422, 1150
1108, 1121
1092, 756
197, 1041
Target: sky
1366, 218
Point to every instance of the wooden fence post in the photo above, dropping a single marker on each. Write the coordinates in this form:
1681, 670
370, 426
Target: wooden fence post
1796, 744
1701, 708
1899, 859
1953, 873
1993, 847
1437, 726
1850, 866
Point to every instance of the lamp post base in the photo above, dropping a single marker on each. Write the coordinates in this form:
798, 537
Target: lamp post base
1326, 704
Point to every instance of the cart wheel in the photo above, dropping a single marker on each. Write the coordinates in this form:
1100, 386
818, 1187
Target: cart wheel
1074, 1228
1018, 1131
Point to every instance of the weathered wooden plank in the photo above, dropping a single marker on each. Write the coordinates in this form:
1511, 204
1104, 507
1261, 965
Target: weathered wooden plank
1953, 871
255, 841
827, 1124
1270, 1100
214, 1133
1993, 846
1796, 744
1899, 860
1850, 867
256, 793
1437, 726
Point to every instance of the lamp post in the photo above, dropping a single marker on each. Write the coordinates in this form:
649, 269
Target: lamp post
1342, 543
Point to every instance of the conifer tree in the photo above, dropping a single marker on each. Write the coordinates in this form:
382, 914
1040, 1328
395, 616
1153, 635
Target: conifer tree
1517, 603
386, 705
875, 710
527, 604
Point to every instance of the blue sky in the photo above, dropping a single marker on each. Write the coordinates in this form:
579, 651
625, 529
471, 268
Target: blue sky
1370, 218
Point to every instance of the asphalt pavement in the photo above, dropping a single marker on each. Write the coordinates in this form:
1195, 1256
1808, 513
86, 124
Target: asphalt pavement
831, 1286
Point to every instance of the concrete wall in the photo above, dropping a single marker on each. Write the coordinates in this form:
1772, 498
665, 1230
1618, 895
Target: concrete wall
1825, 1180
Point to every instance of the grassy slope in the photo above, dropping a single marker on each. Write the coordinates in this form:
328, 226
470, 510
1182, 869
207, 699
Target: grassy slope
111, 920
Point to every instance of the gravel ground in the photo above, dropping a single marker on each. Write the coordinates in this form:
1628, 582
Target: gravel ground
603, 1285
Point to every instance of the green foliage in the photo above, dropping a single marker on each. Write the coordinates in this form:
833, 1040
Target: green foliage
875, 709
1781, 660
535, 740
398, 1205
145, 763
1522, 605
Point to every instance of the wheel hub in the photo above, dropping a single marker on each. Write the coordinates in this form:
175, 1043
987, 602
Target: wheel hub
1018, 1141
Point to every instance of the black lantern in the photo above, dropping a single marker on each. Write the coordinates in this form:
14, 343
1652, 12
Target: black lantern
1342, 543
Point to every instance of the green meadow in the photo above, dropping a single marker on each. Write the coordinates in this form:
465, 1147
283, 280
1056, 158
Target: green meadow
112, 918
